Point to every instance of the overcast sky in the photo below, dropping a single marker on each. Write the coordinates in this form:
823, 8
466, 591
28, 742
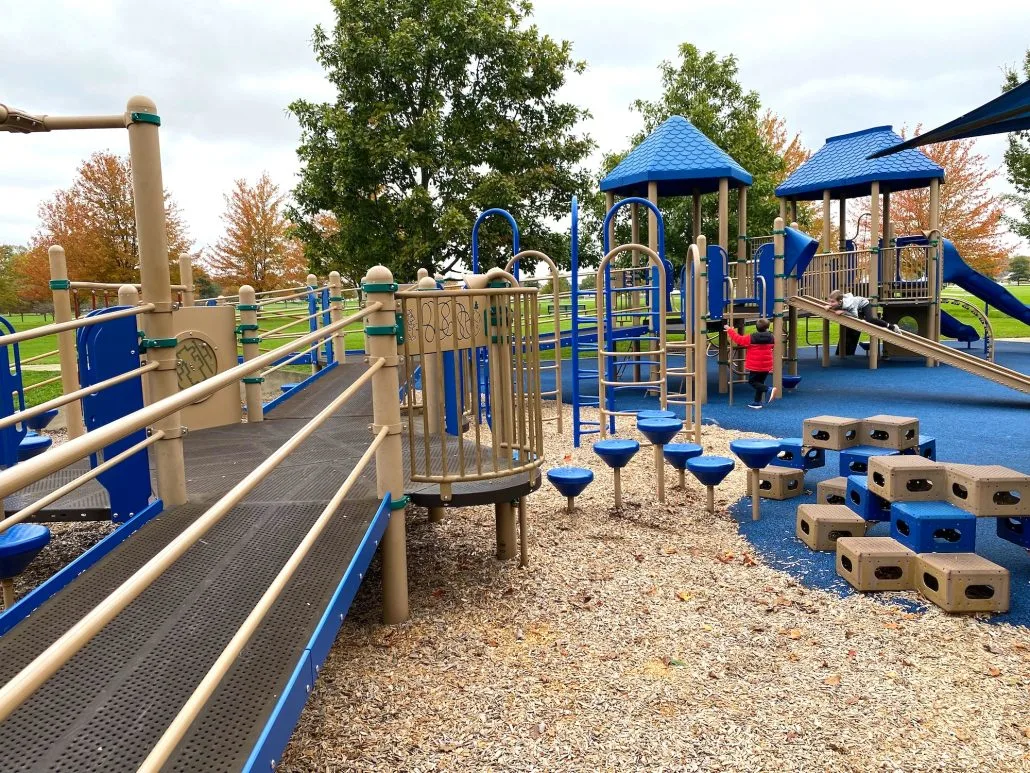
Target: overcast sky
223, 71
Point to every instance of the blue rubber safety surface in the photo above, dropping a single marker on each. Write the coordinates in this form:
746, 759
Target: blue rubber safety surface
975, 421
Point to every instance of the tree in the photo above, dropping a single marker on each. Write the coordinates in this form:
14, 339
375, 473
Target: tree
258, 247
546, 286
203, 285
706, 91
9, 298
1019, 270
1017, 157
94, 220
443, 110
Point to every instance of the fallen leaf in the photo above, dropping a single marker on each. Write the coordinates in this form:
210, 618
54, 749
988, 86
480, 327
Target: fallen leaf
674, 662
851, 700
792, 735
962, 734
994, 671
669, 550
832, 680
682, 595
706, 627
795, 633
726, 557
892, 626
439, 592
747, 560
492, 643
1026, 732
639, 557
651, 591
852, 654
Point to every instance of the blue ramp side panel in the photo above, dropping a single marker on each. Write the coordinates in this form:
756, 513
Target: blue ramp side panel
12, 398
106, 350
716, 269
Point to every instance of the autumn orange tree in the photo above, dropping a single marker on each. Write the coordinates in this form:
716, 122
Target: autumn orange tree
94, 220
258, 247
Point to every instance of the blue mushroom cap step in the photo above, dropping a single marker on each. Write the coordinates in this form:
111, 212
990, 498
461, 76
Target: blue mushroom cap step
570, 481
616, 452
710, 470
755, 454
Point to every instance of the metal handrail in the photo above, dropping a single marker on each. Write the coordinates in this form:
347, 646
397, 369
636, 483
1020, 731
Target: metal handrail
44, 355
295, 357
60, 327
115, 286
281, 298
48, 662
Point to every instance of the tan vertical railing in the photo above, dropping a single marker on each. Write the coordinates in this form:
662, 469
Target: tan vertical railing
336, 314
779, 305
59, 286
250, 339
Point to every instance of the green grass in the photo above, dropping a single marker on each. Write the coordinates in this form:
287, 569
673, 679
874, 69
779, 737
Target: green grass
1004, 326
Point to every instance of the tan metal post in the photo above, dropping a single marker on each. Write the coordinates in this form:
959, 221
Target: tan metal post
659, 470
186, 279
842, 219
695, 213
609, 202
504, 515
66, 340
700, 336
249, 335
379, 287
755, 479
128, 295
793, 210
874, 266
783, 209
826, 223
742, 252
724, 238
336, 314
936, 264
155, 280
652, 242
778, 306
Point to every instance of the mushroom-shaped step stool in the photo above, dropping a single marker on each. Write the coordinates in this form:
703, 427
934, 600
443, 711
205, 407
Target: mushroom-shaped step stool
659, 431
570, 482
790, 383
616, 453
755, 454
33, 445
42, 421
19, 544
677, 455
655, 413
711, 471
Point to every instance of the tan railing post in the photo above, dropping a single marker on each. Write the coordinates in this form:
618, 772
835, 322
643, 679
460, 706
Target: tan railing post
59, 286
381, 341
874, 267
336, 314
778, 306
934, 252
312, 281
186, 279
128, 295
702, 314
155, 279
251, 339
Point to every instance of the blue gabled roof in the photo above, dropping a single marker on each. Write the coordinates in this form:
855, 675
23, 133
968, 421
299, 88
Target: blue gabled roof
843, 167
680, 159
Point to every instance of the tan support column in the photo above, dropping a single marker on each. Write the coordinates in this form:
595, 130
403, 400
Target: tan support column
793, 210
336, 314
936, 264
826, 344
186, 280
783, 209
432, 383
652, 242
742, 253
386, 411
66, 340
700, 330
505, 516
128, 295
842, 219
874, 266
312, 281
826, 223
250, 337
148, 192
695, 215
779, 307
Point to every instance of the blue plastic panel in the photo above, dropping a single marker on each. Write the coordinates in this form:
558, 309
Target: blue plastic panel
12, 398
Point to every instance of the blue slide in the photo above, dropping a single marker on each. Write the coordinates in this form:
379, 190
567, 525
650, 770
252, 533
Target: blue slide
960, 331
958, 272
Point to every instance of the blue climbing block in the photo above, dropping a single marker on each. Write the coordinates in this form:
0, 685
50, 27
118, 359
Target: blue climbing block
861, 500
616, 452
19, 544
793, 454
678, 454
755, 454
710, 470
659, 430
855, 461
654, 413
790, 383
927, 447
42, 421
33, 445
570, 481
1016, 530
933, 527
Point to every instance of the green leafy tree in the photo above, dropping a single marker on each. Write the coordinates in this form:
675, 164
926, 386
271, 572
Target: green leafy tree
1017, 157
9, 298
443, 109
706, 90
204, 287
1019, 270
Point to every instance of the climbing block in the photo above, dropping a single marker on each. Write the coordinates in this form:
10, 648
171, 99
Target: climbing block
908, 478
865, 503
780, 482
832, 491
794, 454
876, 563
1016, 530
833, 432
933, 527
33, 445
855, 461
927, 447
963, 582
989, 490
894, 432
819, 526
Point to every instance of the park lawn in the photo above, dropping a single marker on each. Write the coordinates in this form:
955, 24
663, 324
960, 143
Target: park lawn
35, 346
40, 394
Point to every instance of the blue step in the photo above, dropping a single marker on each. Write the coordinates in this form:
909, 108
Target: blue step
861, 500
19, 544
855, 461
933, 527
33, 445
793, 454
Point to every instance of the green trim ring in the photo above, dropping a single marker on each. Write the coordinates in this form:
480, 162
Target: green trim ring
247, 307
159, 343
745, 237
779, 257
497, 284
336, 299
145, 118
246, 326
380, 287
253, 379
779, 232
381, 330
60, 284
399, 504
250, 340
781, 276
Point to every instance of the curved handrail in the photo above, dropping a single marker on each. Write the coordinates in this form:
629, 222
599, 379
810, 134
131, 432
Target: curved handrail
475, 234
60, 327
982, 319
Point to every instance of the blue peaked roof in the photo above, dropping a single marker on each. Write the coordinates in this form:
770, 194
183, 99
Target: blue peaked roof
680, 159
842, 166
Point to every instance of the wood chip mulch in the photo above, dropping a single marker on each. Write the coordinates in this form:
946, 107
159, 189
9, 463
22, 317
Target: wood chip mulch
652, 638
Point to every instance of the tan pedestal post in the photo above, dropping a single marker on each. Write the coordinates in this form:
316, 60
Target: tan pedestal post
155, 280
695, 213
379, 287
874, 267
66, 340
336, 314
724, 237
753, 489
936, 264
505, 519
186, 280
778, 306
251, 339
652, 242
128, 295
700, 324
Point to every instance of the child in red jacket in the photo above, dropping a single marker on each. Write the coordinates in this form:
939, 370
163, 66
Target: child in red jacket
758, 360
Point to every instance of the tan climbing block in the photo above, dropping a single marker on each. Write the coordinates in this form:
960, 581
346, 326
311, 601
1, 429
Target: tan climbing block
989, 490
963, 582
832, 491
884, 431
876, 563
908, 478
820, 526
833, 432
780, 482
